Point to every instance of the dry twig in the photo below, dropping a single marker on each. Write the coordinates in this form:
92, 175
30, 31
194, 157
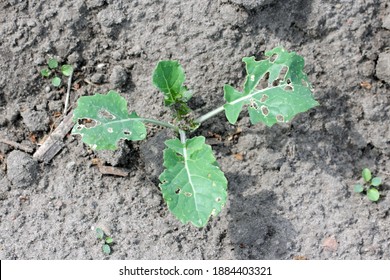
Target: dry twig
54, 143
17, 145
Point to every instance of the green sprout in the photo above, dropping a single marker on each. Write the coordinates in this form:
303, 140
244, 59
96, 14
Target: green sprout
370, 185
53, 69
100, 235
52, 63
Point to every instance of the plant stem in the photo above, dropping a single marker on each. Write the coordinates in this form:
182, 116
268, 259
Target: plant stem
160, 123
68, 93
209, 115
182, 136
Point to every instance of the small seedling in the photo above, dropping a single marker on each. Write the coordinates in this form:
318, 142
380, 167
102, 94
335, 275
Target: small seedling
54, 70
370, 185
66, 70
100, 235
275, 90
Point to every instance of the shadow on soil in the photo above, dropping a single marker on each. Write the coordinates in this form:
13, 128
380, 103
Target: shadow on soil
286, 19
256, 231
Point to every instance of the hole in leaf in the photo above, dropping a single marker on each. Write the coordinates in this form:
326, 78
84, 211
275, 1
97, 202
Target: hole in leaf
288, 88
218, 199
288, 81
187, 194
253, 104
276, 82
177, 191
282, 73
279, 118
264, 98
88, 123
264, 110
110, 130
103, 113
273, 57
263, 83
127, 132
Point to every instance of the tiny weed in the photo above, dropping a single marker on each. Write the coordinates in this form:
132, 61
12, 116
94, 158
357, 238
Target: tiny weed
53, 69
100, 235
370, 185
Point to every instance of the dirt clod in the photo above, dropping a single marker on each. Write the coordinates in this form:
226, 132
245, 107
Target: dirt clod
22, 169
118, 76
383, 67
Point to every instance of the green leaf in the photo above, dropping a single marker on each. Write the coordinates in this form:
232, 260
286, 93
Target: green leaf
45, 72
373, 194
106, 249
52, 63
56, 81
366, 174
192, 184
376, 181
275, 90
99, 233
103, 120
169, 77
109, 240
358, 188
66, 70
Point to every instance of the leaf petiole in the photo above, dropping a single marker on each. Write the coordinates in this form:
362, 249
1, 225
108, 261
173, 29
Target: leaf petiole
160, 123
209, 115
183, 137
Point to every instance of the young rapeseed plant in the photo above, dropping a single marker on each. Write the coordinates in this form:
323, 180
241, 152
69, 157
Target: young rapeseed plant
275, 90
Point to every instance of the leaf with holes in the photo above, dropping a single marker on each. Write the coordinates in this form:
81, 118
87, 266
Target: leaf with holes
102, 120
275, 90
192, 184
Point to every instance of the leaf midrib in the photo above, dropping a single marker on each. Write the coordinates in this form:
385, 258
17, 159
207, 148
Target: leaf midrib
245, 97
185, 156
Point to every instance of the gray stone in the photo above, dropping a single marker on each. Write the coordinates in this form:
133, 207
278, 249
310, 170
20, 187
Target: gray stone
94, 3
12, 114
110, 16
252, 4
22, 169
71, 166
118, 76
3, 119
117, 55
5, 185
97, 78
36, 120
74, 58
367, 68
232, 15
55, 106
383, 67
386, 22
